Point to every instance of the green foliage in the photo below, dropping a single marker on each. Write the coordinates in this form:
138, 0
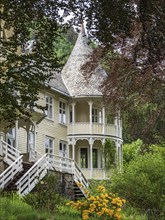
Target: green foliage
63, 45
143, 182
12, 207
24, 71
46, 195
131, 213
109, 151
65, 212
131, 151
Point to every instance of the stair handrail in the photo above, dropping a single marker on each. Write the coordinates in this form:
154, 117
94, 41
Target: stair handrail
50, 162
28, 181
80, 179
9, 152
11, 171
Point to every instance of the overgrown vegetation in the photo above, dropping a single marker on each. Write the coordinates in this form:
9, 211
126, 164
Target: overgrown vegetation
46, 196
142, 183
14, 208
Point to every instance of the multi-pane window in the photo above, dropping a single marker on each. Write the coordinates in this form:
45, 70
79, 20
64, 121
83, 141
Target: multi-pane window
62, 112
95, 158
49, 107
84, 157
48, 145
95, 115
63, 149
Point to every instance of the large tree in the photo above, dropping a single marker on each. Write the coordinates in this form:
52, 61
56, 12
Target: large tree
30, 31
131, 38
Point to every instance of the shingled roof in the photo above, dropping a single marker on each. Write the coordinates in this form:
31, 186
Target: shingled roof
57, 84
73, 75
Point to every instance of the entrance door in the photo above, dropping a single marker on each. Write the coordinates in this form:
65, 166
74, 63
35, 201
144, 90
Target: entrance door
10, 136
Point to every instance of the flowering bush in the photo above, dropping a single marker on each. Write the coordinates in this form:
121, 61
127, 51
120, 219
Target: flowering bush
103, 205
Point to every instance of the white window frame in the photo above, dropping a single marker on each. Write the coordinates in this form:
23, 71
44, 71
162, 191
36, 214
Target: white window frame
63, 144
49, 145
62, 112
96, 115
49, 106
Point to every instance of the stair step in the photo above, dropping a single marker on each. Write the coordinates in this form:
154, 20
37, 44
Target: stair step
11, 186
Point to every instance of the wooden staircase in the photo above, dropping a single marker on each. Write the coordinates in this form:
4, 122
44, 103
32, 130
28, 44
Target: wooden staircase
78, 195
11, 186
23, 176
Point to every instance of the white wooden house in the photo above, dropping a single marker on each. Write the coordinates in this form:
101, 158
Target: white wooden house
74, 127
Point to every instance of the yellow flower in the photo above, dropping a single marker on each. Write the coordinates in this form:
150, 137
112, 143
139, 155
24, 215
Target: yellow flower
101, 189
99, 214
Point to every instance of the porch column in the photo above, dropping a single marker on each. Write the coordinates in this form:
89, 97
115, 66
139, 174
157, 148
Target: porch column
73, 116
34, 136
116, 122
1, 139
117, 155
90, 116
103, 159
16, 134
91, 158
119, 124
73, 151
103, 119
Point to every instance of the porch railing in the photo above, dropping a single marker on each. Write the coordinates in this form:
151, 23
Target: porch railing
97, 128
8, 152
14, 159
10, 172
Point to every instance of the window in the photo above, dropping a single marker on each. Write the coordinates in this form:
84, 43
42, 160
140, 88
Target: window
94, 115
63, 149
95, 158
48, 145
70, 118
84, 157
49, 107
62, 112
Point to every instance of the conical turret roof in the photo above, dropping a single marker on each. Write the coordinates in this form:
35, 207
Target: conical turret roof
73, 75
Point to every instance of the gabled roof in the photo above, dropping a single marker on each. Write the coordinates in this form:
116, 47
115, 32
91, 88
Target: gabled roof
73, 75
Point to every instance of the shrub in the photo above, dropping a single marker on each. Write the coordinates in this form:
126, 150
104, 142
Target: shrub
143, 182
46, 195
131, 151
102, 205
